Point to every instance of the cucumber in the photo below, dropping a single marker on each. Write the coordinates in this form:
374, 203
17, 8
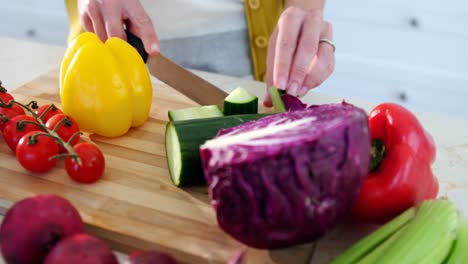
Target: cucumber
183, 140
239, 102
195, 113
276, 100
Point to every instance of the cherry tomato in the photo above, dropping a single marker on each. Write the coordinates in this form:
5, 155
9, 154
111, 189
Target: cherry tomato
52, 111
66, 129
10, 112
12, 134
92, 160
34, 155
6, 97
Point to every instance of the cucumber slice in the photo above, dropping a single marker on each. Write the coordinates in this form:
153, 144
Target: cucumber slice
195, 113
276, 100
183, 141
175, 162
239, 102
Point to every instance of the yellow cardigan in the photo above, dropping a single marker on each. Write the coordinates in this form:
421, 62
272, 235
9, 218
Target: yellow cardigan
261, 16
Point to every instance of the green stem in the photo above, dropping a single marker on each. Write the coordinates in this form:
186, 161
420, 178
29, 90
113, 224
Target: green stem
72, 153
33, 105
4, 118
20, 124
70, 140
51, 107
60, 156
3, 105
65, 120
33, 138
378, 154
2, 89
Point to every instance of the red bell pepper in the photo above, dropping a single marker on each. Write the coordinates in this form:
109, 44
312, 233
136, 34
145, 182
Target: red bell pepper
400, 175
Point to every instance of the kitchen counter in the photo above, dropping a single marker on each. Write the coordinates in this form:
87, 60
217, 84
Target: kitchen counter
22, 61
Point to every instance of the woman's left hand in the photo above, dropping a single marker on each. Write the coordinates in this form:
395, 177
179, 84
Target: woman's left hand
296, 62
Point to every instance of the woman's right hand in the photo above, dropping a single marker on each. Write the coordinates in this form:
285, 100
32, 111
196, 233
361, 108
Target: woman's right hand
107, 18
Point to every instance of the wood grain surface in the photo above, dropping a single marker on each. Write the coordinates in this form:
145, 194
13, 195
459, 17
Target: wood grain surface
135, 205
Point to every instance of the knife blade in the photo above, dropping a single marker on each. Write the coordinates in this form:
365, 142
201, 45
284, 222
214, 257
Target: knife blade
179, 78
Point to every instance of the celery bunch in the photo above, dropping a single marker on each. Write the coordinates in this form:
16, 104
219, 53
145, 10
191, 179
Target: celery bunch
433, 232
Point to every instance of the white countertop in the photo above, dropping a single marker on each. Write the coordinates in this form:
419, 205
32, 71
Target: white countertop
22, 61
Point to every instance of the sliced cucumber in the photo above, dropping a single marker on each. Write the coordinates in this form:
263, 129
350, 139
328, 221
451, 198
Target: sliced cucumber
276, 100
195, 113
239, 102
183, 141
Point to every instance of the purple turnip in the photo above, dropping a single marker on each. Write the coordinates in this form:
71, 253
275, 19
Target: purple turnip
81, 249
33, 226
150, 257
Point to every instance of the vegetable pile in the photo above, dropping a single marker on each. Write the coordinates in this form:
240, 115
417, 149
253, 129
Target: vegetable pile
290, 176
287, 178
48, 229
39, 136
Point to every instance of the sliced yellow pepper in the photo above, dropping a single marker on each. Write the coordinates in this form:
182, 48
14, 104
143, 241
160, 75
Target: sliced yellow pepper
105, 87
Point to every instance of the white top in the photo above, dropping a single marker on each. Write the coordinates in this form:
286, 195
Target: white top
186, 18
208, 35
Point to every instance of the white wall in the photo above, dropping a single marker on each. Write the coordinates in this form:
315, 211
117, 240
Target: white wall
393, 49
38, 20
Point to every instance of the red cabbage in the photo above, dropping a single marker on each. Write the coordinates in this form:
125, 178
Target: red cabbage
287, 178
292, 103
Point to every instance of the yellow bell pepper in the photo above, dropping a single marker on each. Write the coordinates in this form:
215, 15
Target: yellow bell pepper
105, 87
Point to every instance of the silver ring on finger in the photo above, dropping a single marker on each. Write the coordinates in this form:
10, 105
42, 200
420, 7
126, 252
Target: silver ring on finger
329, 42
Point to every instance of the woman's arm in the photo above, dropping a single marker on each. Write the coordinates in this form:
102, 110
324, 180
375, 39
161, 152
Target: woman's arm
296, 62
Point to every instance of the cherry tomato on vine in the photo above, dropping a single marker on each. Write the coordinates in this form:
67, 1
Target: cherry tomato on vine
13, 131
92, 166
9, 112
34, 151
52, 112
6, 97
66, 129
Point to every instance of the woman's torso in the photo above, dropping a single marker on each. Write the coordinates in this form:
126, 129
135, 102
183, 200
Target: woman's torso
208, 35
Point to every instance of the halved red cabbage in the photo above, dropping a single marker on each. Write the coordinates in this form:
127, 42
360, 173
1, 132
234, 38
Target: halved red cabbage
288, 178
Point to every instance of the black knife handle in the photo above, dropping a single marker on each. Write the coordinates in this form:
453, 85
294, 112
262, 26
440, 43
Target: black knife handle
136, 42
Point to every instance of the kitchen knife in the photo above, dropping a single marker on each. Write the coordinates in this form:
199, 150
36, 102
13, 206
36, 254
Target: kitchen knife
176, 76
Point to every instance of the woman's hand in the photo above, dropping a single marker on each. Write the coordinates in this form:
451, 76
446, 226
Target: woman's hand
296, 62
107, 18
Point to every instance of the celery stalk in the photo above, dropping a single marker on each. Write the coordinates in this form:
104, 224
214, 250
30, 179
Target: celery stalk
276, 100
374, 256
440, 253
373, 240
436, 221
459, 254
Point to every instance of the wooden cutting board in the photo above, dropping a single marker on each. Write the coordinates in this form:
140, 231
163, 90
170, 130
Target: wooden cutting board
135, 205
